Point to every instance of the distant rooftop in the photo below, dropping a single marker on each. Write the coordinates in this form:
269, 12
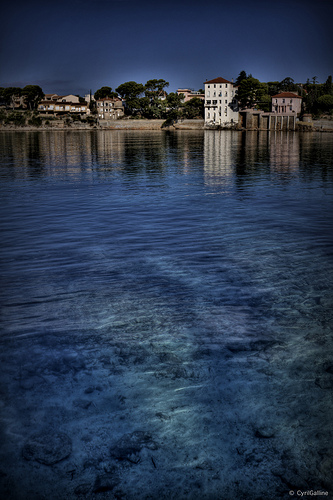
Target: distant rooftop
287, 94
218, 80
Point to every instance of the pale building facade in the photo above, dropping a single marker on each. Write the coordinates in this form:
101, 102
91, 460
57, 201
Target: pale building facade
221, 105
61, 104
110, 108
286, 103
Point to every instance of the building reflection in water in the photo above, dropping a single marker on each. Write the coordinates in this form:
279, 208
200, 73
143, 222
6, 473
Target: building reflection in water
242, 157
220, 155
229, 157
284, 151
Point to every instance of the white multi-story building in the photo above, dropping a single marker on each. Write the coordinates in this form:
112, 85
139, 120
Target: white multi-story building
221, 105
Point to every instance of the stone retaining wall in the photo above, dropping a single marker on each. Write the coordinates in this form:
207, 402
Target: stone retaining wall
150, 125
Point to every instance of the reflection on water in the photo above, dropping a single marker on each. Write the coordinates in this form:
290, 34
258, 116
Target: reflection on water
166, 327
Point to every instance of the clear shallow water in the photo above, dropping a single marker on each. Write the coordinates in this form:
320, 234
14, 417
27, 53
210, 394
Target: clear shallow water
178, 284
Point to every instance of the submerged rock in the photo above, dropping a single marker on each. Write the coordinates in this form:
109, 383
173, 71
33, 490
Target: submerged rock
106, 482
47, 448
265, 432
324, 383
130, 445
82, 489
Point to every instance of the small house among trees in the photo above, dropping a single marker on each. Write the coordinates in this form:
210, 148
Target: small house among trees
109, 108
286, 103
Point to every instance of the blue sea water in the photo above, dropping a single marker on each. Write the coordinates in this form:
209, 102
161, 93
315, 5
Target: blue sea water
174, 284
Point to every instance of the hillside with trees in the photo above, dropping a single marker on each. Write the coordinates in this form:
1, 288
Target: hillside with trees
18, 106
317, 97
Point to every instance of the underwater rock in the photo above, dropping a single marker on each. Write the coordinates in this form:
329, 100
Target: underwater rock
106, 482
265, 432
31, 382
324, 383
82, 489
47, 448
129, 446
82, 403
257, 345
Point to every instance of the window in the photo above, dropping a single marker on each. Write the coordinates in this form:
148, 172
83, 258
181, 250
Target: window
208, 115
208, 93
208, 102
226, 101
291, 101
214, 94
226, 85
214, 103
283, 101
214, 86
291, 108
220, 93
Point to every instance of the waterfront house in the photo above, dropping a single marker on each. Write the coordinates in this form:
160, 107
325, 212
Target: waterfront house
221, 105
62, 104
286, 103
110, 108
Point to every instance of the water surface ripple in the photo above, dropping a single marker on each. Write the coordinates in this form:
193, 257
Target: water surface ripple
166, 314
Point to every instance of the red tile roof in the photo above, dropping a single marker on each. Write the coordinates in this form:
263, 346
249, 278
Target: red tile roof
218, 80
287, 94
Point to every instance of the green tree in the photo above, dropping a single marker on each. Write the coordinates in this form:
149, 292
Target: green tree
328, 86
265, 102
155, 105
194, 108
250, 92
104, 92
131, 92
325, 103
16, 118
287, 85
273, 87
32, 94
174, 100
155, 89
10, 94
242, 76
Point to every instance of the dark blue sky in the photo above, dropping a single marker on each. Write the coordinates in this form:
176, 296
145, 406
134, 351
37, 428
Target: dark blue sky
77, 45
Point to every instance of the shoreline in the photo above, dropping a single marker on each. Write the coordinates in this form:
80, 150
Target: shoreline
321, 125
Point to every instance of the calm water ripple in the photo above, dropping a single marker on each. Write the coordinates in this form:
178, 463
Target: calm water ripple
187, 276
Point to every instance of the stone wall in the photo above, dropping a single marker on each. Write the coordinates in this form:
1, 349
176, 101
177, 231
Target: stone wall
150, 124
258, 120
